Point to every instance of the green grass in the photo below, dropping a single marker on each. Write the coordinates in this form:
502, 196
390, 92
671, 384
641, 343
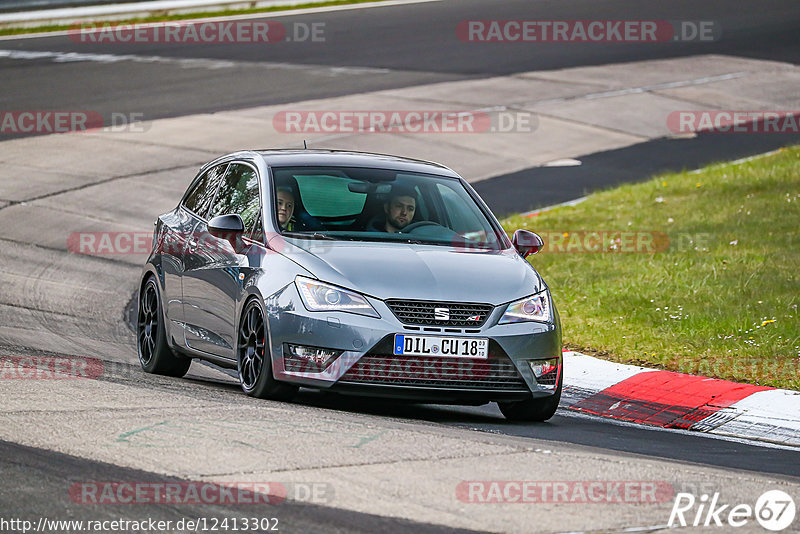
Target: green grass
184, 16
721, 300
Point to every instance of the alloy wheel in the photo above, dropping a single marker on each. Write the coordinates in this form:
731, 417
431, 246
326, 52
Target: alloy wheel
251, 347
148, 323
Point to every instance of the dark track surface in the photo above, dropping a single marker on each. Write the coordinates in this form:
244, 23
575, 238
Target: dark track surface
418, 43
588, 431
42, 481
553, 185
569, 427
566, 427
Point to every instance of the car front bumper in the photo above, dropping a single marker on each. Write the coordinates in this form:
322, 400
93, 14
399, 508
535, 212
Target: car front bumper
366, 365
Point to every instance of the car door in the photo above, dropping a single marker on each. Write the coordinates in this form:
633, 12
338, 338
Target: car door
177, 228
211, 283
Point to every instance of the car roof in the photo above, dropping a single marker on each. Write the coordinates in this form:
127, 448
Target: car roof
344, 158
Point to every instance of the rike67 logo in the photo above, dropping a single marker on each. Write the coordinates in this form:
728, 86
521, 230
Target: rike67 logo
774, 510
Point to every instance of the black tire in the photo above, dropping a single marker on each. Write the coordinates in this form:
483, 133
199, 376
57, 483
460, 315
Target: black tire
253, 358
536, 409
155, 356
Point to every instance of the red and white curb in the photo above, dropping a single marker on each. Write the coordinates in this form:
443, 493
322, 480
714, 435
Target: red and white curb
680, 401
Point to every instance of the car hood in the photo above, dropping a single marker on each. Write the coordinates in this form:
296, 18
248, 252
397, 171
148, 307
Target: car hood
425, 272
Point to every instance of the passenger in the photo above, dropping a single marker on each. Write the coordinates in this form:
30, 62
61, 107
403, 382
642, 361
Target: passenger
398, 211
285, 206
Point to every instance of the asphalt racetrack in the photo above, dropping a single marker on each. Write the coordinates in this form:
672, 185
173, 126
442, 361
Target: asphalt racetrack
393, 466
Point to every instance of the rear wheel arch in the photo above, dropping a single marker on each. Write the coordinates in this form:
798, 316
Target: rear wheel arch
155, 354
152, 271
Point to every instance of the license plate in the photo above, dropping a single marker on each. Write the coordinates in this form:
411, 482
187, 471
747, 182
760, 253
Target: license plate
453, 347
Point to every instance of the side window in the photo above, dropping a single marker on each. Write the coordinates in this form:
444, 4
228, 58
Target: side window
200, 197
238, 194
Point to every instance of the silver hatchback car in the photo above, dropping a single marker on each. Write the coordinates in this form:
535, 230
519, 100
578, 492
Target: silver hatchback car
354, 273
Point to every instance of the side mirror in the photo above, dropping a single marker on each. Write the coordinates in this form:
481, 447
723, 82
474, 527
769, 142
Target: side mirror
527, 243
228, 227
223, 225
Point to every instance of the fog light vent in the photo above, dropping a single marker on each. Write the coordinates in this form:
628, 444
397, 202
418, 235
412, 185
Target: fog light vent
309, 359
545, 372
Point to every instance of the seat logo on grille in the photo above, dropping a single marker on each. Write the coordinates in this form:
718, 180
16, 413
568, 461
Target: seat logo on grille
441, 314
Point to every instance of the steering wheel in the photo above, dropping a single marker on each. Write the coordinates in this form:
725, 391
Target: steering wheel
419, 224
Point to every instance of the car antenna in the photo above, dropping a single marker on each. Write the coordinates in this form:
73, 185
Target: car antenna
305, 146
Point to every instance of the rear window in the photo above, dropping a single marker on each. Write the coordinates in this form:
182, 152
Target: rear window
328, 196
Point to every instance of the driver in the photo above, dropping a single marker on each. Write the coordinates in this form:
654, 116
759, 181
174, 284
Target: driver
398, 210
285, 202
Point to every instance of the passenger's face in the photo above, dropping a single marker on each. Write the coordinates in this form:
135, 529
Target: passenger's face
285, 207
400, 211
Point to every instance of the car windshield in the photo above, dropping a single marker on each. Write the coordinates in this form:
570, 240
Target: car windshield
374, 204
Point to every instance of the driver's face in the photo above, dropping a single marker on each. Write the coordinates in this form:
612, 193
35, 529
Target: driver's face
399, 212
285, 207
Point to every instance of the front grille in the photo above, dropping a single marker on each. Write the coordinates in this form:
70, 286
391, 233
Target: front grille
492, 374
423, 312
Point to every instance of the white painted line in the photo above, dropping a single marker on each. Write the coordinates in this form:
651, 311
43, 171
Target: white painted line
695, 171
566, 162
738, 161
751, 158
686, 135
667, 85
651, 528
554, 206
204, 63
644, 88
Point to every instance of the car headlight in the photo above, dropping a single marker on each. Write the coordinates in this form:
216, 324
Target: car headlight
533, 308
319, 296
